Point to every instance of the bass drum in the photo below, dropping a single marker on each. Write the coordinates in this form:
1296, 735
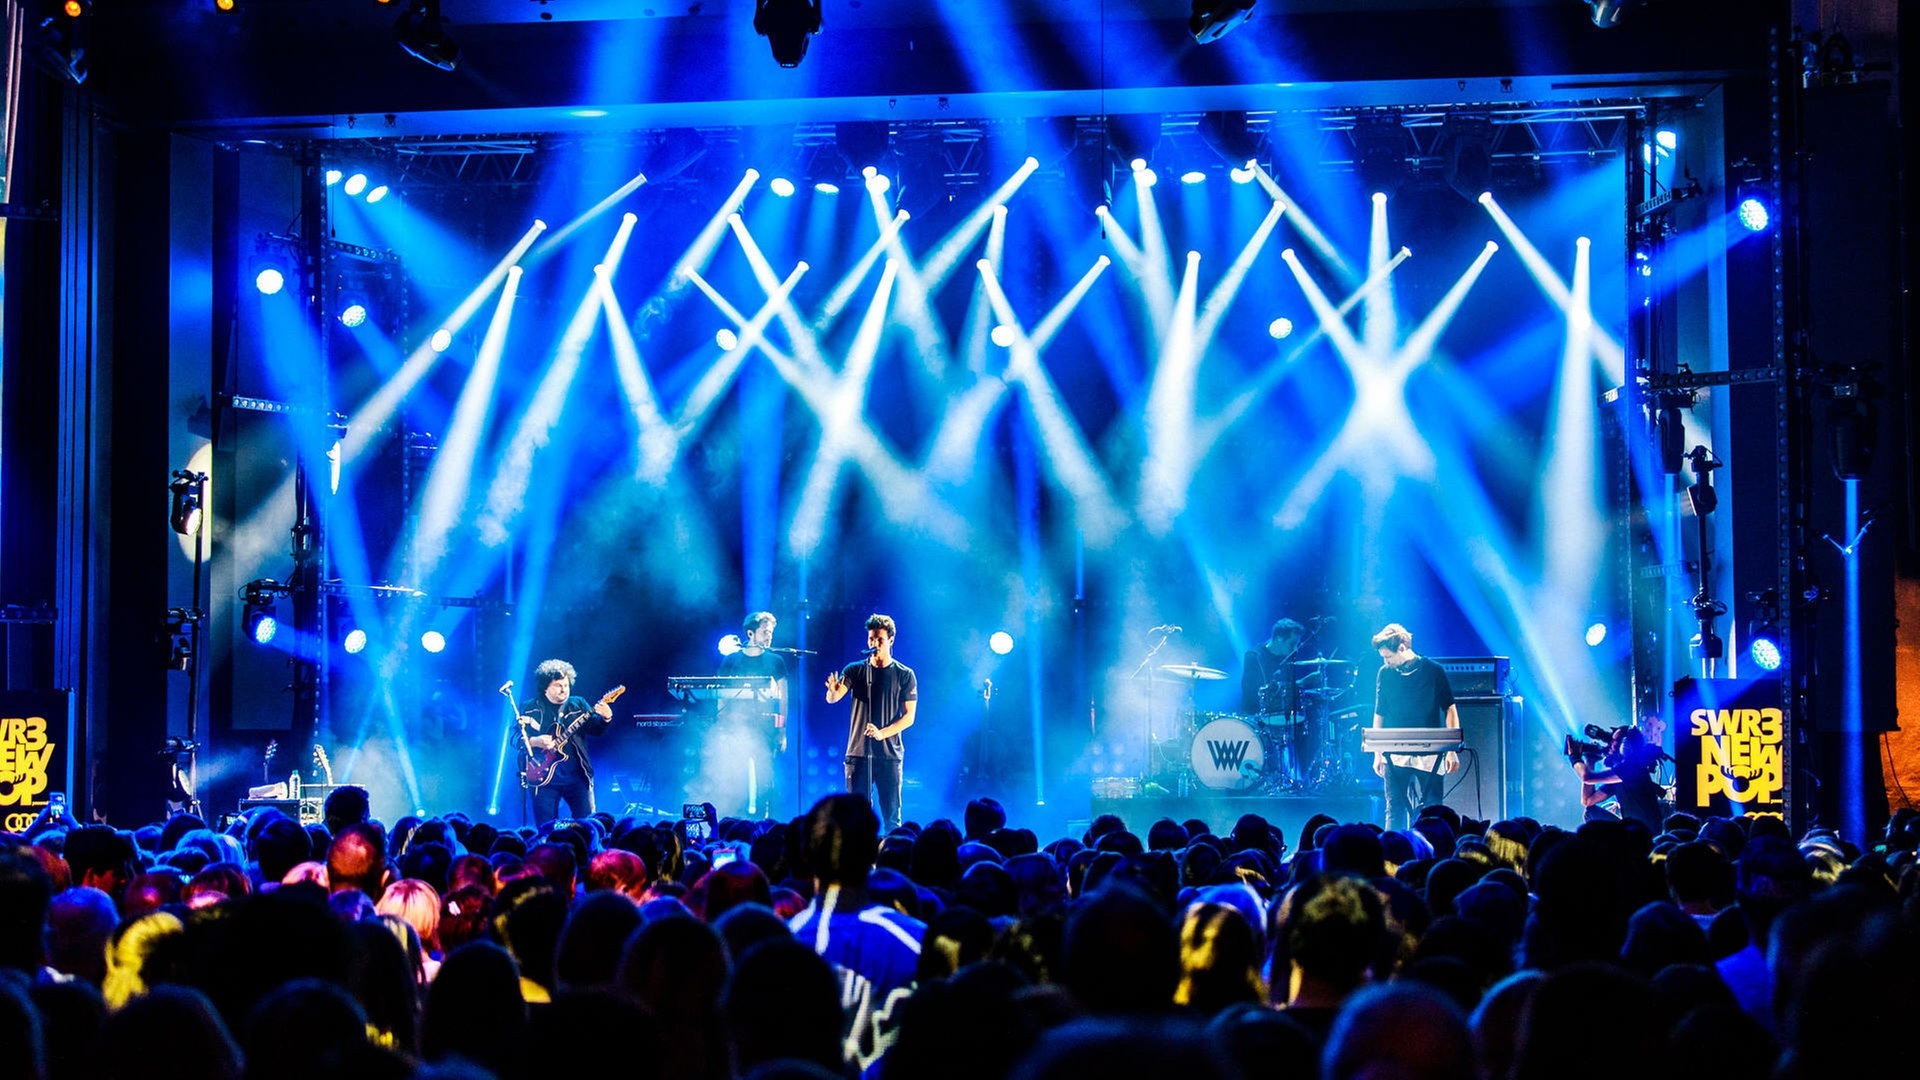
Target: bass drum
1230, 754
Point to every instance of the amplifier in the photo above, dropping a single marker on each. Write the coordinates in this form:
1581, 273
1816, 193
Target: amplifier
1477, 676
306, 811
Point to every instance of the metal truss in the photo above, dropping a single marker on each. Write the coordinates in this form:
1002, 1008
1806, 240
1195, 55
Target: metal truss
1515, 136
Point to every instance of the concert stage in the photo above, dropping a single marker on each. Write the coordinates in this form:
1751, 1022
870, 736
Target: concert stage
1220, 810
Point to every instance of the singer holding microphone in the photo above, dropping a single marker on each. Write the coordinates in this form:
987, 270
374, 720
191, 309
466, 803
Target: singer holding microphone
885, 695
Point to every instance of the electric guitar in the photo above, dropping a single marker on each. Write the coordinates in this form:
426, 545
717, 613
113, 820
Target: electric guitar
542, 763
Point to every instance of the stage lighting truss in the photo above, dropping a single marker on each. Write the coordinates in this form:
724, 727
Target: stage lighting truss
260, 602
1523, 142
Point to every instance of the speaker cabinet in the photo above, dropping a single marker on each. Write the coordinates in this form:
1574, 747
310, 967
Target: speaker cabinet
1488, 728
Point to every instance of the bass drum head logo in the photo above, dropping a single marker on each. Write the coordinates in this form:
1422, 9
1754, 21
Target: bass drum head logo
1228, 755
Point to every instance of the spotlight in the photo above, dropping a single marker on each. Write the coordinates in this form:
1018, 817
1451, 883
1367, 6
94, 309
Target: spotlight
257, 602
1002, 335
188, 489
74, 8
1133, 138
224, 6
864, 142
433, 641
726, 338
1242, 175
1666, 139
1765, 644
353, 315
355, 184
270, 280
62, 45
333, 176
1702, 496
729, 645
1380, 149
355, 642
377, 194
1753, 214
419, 32
788, 26
827, 169
1468, 161
442, 338
877, 181
1606, 13
781, 186
1279, 328
1596, 634
1001, 642
1193, 176
1215, 19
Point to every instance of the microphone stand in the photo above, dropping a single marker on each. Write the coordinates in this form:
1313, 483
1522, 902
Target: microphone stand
1146, 768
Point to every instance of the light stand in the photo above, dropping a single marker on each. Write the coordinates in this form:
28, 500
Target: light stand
1706, 608
1146, 665
186, 516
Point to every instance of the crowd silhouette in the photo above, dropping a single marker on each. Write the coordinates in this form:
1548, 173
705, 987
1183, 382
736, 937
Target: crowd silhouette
1451, 950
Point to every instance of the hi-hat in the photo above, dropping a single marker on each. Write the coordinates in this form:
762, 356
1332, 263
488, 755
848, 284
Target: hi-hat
1321, 661
1196, 672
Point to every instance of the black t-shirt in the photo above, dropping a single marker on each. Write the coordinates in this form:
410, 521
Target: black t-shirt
1638, 794
552, 718
1416, 694
769, 664
1263, 668
879, 696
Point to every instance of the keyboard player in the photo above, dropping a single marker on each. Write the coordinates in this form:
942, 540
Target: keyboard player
1411, 691
762, 718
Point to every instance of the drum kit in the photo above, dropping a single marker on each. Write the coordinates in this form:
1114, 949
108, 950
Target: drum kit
1299, 740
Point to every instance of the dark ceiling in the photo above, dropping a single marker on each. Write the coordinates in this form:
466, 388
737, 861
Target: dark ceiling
331, 68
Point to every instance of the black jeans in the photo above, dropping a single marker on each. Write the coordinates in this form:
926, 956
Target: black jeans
568, 783
1407, 791
882, 776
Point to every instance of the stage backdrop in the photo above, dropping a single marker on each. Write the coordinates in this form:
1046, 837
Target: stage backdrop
1730, 742
36, 753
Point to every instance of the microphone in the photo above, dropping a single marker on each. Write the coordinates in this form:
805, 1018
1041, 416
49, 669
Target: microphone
1168, 629
868, 652
987, 690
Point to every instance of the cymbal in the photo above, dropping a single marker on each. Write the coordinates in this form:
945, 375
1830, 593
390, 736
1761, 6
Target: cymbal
1322, 661
1195, 672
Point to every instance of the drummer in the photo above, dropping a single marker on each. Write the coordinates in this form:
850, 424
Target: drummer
1266, 683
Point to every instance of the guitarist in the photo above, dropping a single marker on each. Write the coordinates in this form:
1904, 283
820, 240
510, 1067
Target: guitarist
548, 713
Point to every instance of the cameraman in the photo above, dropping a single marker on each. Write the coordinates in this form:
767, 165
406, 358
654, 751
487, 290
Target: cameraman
1625, 773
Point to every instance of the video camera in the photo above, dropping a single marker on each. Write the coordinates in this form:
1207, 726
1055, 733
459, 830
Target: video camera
1603, 738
